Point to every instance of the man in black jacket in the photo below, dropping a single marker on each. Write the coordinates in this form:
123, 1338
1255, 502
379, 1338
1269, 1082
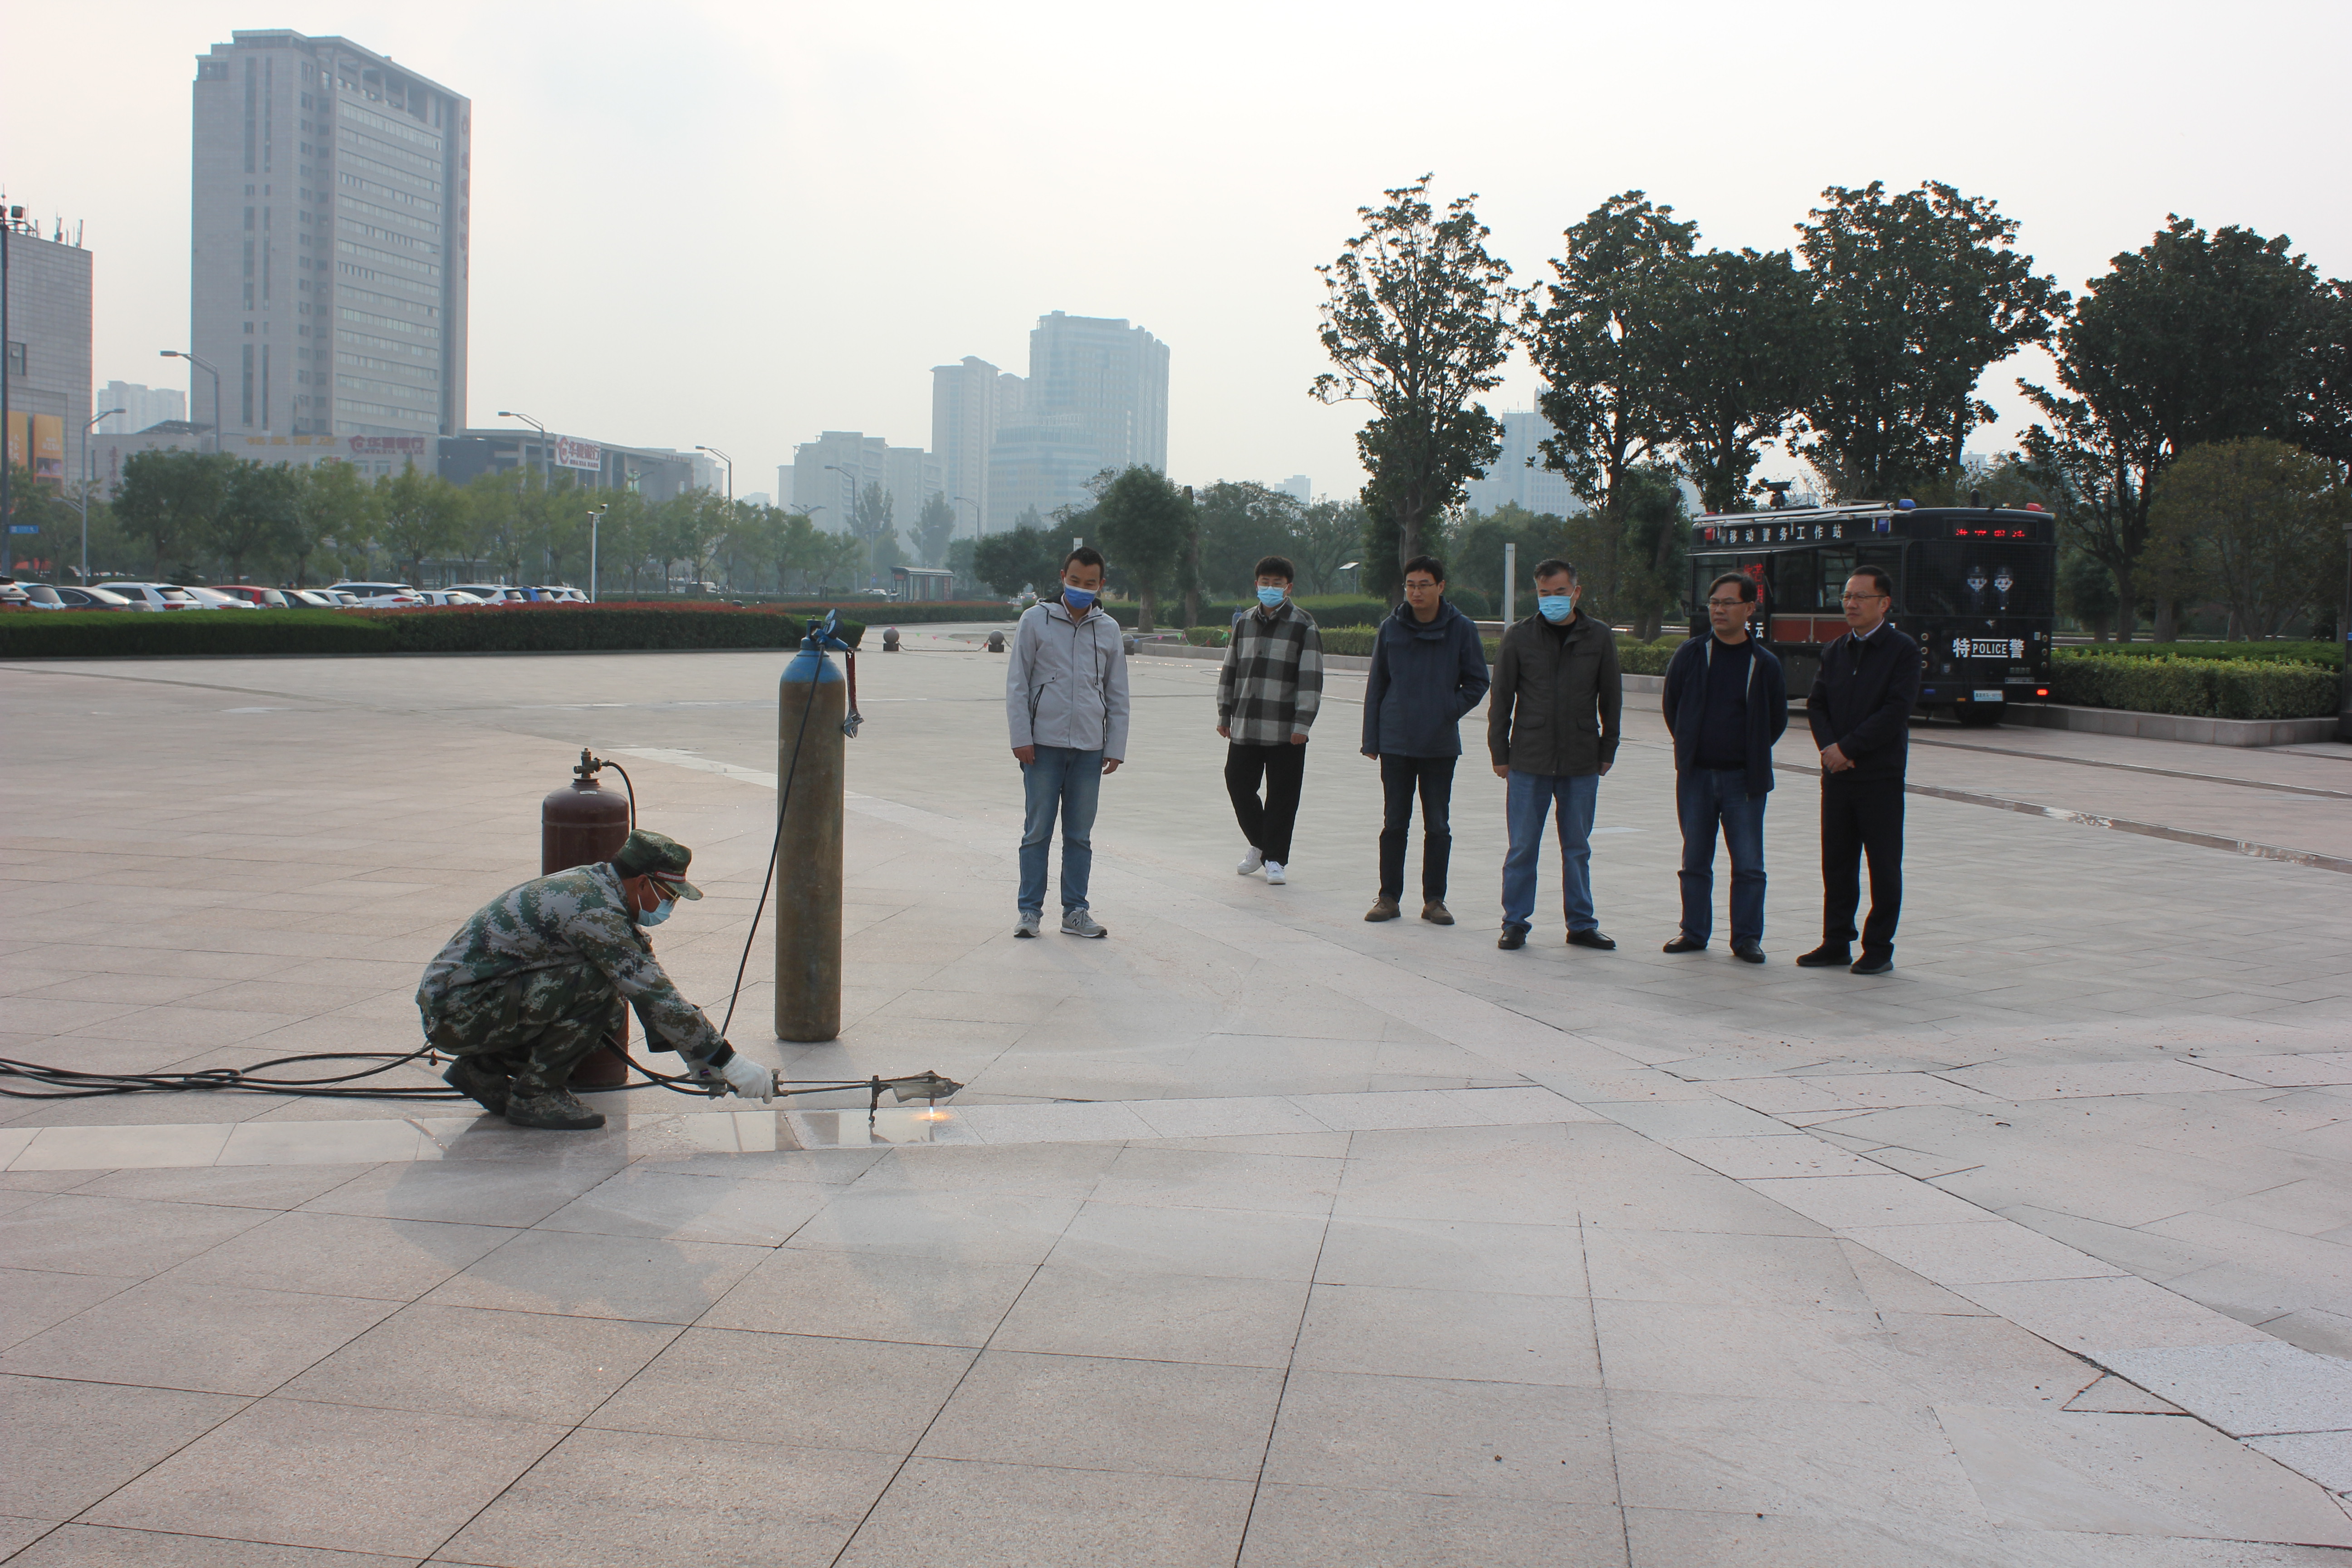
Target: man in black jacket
1860, 711
1551, 731
1429, 668
1727, 701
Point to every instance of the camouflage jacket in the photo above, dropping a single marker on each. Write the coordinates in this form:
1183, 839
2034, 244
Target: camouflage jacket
574, 917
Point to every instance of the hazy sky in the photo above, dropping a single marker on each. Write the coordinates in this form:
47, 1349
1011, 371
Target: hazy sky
739, 224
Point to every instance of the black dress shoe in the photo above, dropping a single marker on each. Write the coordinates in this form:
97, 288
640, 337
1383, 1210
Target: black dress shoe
1592, 939
1748, 952
1513, 937
1873, 964
1829, 956
1684, 944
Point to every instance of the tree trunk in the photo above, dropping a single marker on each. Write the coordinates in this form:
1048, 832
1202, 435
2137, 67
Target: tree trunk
2126, 603
2168, 621
1147, 602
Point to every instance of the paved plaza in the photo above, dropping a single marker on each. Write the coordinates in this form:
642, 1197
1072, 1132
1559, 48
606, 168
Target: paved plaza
1260, 1235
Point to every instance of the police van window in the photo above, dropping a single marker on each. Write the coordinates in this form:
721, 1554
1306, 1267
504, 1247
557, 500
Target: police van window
1836, 566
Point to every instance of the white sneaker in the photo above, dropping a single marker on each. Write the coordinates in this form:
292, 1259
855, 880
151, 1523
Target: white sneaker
1251, 861
1273, 873
1028, 926
1078, 922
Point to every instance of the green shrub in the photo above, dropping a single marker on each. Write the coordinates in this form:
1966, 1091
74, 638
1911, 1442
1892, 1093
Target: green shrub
494, 628
1634, 657
2330, 654
2198, 688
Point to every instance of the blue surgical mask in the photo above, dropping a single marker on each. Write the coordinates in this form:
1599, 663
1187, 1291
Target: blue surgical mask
1078, 599
655, 917
1556, 608
1270, 597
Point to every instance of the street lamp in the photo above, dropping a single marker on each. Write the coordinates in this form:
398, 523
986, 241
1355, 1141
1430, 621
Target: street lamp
731, 470
979, 518
595, 516
546, 471
91, 424
207, 366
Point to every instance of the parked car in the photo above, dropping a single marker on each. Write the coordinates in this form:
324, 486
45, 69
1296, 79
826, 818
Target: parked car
17, 596
315, 599
254, 595
156, 595
491, 593
558, 593
212, 598
444, 597
380, 595
92, 599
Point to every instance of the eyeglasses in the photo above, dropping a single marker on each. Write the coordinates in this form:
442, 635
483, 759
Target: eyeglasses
1726, 604
1858, 598
1412, 587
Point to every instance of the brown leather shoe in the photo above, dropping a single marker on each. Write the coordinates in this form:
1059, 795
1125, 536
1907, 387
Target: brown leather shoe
1384, 909
1434, 913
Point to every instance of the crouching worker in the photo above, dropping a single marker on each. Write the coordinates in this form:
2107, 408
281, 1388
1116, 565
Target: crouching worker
536, 980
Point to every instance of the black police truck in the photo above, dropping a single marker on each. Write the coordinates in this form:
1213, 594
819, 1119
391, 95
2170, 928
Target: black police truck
1977, 587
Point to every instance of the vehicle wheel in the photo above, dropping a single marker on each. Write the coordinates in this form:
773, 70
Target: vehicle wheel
1977, 715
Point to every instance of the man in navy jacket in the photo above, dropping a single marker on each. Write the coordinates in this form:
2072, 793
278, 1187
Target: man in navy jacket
1727, 701
1860, 711
1429, 668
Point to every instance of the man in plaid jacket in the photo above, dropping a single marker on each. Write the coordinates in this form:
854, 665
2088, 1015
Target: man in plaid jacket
1267, 694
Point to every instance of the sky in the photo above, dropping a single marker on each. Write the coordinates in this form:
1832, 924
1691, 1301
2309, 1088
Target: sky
738, 224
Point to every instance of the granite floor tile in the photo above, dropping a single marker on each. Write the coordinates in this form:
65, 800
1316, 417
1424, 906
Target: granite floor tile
32, 1300
1529, 1259
471, 1361
65, 1445
1073, 1311
1102, 1414
464, 1191
1458, 1334
1700, 1267
871, 1295
575, 1275
265, 1474
976, 1227
692, 1209
218, 1339
278, 1187
1016, 1516
1459, 1439
342, 1255
68, 1233
100, 1546
795, 1389
1315, 1527
1151, 1239
1266, 1184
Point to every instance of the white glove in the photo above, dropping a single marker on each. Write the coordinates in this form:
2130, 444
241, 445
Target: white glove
747, 1078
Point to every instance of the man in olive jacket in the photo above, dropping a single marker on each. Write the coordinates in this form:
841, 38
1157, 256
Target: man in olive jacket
1551, 731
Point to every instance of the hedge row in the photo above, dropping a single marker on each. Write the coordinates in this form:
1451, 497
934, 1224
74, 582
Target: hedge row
497, 628
1328, 610
2199, 688
2330, 654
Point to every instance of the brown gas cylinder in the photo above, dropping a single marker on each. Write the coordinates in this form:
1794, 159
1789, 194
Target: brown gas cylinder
580, 824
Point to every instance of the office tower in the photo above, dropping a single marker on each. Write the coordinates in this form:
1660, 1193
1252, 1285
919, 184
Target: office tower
1111, 376
47, 352
331, 207
1511, 481
142, 407
972, 400
827, 475
1298, 488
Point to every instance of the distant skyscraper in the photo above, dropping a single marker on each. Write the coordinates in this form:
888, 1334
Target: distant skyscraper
1298, 488
47, 361
142, 407
1095, 398
1510, 482
831, 471
970, 401
331, 209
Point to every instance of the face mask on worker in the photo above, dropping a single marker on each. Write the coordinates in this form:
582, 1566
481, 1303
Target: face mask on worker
658, 914
1078, 599
1270, 597
1556, 608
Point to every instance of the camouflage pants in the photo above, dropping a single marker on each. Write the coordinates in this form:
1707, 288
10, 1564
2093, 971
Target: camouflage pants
532, 1027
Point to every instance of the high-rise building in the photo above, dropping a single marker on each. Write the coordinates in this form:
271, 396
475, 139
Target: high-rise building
1298, 488
48, 351
1512, 480
971, 401
827, 475
1095, 398
140, 406
329, 278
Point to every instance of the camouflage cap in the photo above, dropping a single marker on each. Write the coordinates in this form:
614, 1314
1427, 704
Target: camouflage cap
648, 854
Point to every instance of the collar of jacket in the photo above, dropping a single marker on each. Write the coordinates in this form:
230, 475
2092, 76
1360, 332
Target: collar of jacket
1577, 622
1749, 686
1431, 628
1054, 606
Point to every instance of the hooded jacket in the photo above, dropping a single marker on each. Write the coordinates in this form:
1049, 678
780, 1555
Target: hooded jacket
1065, 684
1425, 676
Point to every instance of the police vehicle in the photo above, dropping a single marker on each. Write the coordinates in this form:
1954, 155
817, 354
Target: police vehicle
1977, 587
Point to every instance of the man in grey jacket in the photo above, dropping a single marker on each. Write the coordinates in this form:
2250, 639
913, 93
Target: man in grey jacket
1065, 703
1551, 731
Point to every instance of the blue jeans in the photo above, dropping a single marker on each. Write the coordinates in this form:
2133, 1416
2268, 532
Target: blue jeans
1065, 781
1705, 798
1533, 797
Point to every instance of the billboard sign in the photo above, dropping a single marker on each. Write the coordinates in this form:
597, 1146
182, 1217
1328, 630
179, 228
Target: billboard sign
573, 453
388, 446
38, 441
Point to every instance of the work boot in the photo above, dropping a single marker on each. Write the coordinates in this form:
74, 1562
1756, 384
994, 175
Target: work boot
1435, 913
557, 1108
1384, 909
489, 1089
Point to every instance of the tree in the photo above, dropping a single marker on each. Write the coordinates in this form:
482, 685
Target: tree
2256, 519
871, 515
1473, 547
2086, 591
1743, 343
257, 514
1020, 558
933, 529
418, 514
1419, 318
170, 499
1239, 525
1600, 341
1144, 523
1653, 550
1329, 534
1923, 291
331, 503
2192, 339
960, 554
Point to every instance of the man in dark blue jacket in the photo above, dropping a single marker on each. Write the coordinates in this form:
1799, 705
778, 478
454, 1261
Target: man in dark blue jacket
1429, 668
1727, 701
1860, 711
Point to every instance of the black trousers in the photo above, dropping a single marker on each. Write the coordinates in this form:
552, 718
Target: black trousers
1267, 825
1400, 778
1862, 819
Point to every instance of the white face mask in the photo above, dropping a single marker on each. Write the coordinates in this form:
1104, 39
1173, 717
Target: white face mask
655, 916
